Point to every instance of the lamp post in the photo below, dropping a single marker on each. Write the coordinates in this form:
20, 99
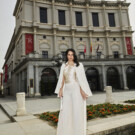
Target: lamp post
57, 60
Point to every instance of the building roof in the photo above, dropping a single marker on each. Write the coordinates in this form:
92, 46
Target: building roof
16, 7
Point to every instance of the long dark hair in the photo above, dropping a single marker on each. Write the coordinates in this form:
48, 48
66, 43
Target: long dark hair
74, 54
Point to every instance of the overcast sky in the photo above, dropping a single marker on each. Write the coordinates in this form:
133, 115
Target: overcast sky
7, 24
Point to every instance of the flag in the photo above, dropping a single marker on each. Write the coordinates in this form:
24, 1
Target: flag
97, 48
6, 68
85, 49
91, 47
29, 43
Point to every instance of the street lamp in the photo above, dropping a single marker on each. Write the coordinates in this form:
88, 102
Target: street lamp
57, 60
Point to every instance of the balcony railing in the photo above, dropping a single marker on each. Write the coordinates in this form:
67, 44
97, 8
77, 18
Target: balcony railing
93, 57
31, 55
86, 57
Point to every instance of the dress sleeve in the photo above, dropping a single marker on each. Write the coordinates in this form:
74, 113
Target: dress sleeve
88, 90
59, 82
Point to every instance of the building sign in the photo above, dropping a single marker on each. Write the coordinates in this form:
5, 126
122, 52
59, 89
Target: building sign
29, 45
128, 44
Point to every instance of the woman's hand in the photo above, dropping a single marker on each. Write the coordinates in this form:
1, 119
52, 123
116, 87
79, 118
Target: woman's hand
61, 93
84, 95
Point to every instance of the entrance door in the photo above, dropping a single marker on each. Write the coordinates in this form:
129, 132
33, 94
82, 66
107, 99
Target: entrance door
48, 82
93, 79
113, 78
130, 72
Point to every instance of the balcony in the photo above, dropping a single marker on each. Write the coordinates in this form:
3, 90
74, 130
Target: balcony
85, 57
105, 57
32, 55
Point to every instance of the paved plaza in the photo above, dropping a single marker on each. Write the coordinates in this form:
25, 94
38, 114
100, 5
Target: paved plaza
32, 125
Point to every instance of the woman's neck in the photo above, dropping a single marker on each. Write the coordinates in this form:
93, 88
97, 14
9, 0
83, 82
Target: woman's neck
71, 63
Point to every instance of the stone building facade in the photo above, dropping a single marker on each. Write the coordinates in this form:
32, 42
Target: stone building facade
45, 28
1, 81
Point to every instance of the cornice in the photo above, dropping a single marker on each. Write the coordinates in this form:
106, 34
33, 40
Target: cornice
90, 3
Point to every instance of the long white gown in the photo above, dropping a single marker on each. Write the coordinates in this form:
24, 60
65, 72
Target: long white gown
72, 117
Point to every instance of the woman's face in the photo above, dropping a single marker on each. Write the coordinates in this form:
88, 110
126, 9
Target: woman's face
70, 56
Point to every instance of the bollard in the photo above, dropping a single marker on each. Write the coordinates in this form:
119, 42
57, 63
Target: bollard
20, 104
109, 98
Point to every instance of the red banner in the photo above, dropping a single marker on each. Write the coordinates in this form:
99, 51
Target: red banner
6, 68
1, 79
29, 45
85, 49
129, 47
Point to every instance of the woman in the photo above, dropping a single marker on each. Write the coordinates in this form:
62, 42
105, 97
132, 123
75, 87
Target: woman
73, 90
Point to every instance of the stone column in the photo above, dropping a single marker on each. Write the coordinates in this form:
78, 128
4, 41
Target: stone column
128, 20
34, 12
30, 75
106, 25
23, 14
132, 45
124, 77
122, 27
107, 44
34, 24
53, 14
19, 76
73, 40
72, 26
71, 16
90, 41
23, 81
124, 44
104, 17
35, 40
120, 17
54, 42
87, 14
88, 22
37, 93
17, 80
23, 45
54, 27
104, 76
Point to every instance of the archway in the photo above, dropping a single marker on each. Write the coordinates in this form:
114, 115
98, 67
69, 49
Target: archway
93, 79
48, 81
130, 72
113, 78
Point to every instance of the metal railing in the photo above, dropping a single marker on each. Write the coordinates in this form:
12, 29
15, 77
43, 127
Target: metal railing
85, 57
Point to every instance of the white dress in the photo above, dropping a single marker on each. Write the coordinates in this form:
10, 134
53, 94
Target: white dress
72, 118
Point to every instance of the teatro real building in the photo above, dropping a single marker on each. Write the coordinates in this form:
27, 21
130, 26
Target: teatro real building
45, 28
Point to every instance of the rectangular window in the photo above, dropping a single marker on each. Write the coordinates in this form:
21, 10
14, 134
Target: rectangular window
78, 18
111, 19
81, 55
95, 19
43, 15
62, 17
116, 54
98, 55
44, 54
63, 55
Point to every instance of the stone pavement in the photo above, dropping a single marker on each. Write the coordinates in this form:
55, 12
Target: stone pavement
4, 118
31, 125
